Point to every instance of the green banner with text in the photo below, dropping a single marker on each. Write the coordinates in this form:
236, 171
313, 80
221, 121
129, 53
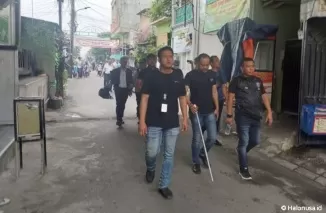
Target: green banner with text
219, 12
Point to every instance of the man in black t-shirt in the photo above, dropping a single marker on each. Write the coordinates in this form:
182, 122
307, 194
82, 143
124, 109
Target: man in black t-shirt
202, 99
250, 97
159, 118
151, 60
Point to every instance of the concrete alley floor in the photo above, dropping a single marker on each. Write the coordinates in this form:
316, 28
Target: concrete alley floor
95, 168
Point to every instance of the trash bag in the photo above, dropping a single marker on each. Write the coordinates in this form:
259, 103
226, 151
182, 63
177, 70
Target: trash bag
105, 93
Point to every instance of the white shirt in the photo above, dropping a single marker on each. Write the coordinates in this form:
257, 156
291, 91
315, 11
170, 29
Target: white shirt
123, 78
108, 68
79, 63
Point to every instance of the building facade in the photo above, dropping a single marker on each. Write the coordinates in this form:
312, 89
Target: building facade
125, 19
211, 15
9, 41
182, 33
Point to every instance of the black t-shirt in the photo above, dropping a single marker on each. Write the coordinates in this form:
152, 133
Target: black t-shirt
143, 72
233, 87
200, 84
163, 89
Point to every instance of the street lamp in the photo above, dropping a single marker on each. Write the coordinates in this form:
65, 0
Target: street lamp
84, 8
72, 31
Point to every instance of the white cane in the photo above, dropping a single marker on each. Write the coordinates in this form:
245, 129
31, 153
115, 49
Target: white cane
204, 145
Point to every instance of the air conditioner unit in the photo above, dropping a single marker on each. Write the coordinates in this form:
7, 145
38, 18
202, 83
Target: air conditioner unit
5, 3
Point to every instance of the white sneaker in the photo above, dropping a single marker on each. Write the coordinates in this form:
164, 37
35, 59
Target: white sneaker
4, 201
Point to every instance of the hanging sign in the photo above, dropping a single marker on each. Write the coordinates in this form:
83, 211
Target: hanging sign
220, 12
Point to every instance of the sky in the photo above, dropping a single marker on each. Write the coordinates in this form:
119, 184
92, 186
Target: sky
96, 19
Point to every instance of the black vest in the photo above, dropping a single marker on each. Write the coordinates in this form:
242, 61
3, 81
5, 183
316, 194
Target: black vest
248, 97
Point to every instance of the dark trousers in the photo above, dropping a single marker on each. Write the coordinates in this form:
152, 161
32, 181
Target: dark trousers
121, 96
138, 99
220, 109
106, 79
248, 130
80, 72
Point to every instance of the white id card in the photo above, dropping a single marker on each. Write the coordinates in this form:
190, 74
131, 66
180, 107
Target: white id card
164, 108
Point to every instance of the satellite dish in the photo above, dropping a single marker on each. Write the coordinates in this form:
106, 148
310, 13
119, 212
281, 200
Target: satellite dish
5, 3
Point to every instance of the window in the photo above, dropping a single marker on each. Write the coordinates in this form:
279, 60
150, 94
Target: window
264, 55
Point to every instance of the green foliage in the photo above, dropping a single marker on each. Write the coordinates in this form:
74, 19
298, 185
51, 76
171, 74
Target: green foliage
141, 51
40, 37
160, 8
100, 54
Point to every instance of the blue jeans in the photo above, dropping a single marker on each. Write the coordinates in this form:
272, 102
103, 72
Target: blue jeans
248, 130
156, 137
209, 121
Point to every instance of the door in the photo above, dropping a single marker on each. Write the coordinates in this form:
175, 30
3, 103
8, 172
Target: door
291, 76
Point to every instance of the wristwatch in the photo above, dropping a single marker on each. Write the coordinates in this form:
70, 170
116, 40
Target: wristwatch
229, 116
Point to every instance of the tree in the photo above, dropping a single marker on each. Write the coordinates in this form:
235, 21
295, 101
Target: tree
149, 46
160, 8
101, 54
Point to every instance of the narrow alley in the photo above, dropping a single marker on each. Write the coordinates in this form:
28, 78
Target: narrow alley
95, 168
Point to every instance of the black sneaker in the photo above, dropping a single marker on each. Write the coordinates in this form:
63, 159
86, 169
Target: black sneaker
166, 193
218, 143
245, 175
119, 123
150, 175
205, 163
196, 168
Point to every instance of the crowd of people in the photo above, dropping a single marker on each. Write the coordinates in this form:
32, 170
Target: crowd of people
161, 92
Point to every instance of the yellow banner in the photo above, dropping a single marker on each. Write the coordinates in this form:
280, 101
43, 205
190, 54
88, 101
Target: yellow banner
220, 12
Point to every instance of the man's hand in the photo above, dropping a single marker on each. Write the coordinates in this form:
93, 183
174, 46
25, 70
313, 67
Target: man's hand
269, 118
193, 108
130, 93
142, 128
216, 112
184, 126
229, 121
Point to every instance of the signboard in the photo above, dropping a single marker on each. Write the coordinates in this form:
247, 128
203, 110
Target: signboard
319, 125
181, 42
96, 42
29, 125
184, 14
219, 12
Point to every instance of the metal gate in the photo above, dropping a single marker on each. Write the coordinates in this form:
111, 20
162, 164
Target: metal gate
313, 72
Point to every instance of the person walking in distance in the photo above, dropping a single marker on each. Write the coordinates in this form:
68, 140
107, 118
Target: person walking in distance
151, 61
159, 119
80, 67
222, 92
250, 97
108, 67
202, 99
122, 81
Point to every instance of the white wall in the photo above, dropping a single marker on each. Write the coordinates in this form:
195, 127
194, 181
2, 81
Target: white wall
210, 44
8, 84
127, 11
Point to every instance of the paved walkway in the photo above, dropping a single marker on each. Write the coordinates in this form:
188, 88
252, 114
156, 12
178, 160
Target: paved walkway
95, 168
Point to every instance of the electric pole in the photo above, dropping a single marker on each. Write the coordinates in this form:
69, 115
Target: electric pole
72, 31
60, 71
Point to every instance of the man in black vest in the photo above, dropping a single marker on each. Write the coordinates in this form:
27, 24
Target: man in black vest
250, 96
122, 81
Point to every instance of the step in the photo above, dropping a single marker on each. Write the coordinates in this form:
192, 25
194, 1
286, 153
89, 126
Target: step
7, 146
